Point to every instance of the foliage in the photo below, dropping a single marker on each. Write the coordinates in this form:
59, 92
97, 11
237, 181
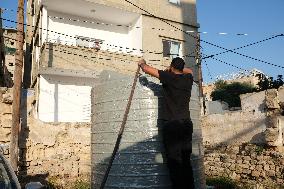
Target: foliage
59, 183
259, 150
230, 92
269, 83
222, 183
220, 84
80, 184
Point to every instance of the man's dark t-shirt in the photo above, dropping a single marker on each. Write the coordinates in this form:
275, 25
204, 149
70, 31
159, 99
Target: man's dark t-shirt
177, 93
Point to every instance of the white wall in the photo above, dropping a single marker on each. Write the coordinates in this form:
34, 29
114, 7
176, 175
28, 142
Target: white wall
44, 25
135, 36
64, 99
112, 35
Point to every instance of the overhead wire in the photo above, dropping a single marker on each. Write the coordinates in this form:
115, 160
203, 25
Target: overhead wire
85, 21
210, 56
128, 26
81, 55
189, 55
209, 73
250, 44
108, 44
78, 37
93, 58
204, 41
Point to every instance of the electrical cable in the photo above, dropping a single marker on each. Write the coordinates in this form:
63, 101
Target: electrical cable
126, 26
201, 40
250, 44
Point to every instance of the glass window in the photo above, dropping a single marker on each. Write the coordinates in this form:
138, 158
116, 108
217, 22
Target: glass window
171, 48
175, 1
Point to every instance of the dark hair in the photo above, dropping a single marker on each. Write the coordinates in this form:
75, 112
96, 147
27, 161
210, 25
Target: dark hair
178, 63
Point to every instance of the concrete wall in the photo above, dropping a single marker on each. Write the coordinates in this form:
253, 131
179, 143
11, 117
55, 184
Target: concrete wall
152, 40
64, 99
77, 58
233, 128
244, 126
184, 13
253, 102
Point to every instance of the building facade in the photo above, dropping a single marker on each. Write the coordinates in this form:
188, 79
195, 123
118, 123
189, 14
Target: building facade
71, 41
7, 57
10, 49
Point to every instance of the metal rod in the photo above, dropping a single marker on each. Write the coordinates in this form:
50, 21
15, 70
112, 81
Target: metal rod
122, 126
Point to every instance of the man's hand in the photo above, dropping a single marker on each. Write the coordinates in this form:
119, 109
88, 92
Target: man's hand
141, 63
148, 69
168, 69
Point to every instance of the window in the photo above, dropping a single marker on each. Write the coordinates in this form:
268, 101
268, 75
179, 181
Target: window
171, 48
175, 2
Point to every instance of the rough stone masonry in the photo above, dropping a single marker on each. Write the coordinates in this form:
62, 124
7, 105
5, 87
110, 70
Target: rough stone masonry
247, 145
53, 150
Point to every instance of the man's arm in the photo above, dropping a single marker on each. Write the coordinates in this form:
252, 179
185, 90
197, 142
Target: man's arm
187, 71
148, 69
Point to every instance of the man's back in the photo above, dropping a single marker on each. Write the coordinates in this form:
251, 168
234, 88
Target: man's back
177, 92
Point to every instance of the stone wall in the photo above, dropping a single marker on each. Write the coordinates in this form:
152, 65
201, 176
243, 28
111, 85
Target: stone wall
246, 163
233, 128
5, 115
53, 150
247, 145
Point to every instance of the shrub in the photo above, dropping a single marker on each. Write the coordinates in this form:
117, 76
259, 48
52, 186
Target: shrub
230, 92
222, 183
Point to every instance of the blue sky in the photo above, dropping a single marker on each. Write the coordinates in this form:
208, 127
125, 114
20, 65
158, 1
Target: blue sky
257, 18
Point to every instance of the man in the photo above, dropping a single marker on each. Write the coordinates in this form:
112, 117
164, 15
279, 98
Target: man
177, 132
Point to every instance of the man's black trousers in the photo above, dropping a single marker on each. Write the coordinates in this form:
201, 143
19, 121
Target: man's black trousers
177, 137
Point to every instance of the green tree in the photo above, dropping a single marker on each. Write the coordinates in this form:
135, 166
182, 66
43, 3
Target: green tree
269, 83
220, 84
230, 92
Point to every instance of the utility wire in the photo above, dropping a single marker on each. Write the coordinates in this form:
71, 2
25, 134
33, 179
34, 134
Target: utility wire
189, 55
94, 58
209, 43
250, 44
112, 45
209, 73
127, 26
77, 37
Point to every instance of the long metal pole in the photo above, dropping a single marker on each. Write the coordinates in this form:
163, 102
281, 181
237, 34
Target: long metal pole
122, 126
14, 150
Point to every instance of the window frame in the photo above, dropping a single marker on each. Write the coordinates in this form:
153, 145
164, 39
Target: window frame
169, 55
175, 2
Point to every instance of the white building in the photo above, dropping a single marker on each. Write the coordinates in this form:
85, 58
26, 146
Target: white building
71, 41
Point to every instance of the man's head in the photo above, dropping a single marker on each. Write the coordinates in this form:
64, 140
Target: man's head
177, 64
